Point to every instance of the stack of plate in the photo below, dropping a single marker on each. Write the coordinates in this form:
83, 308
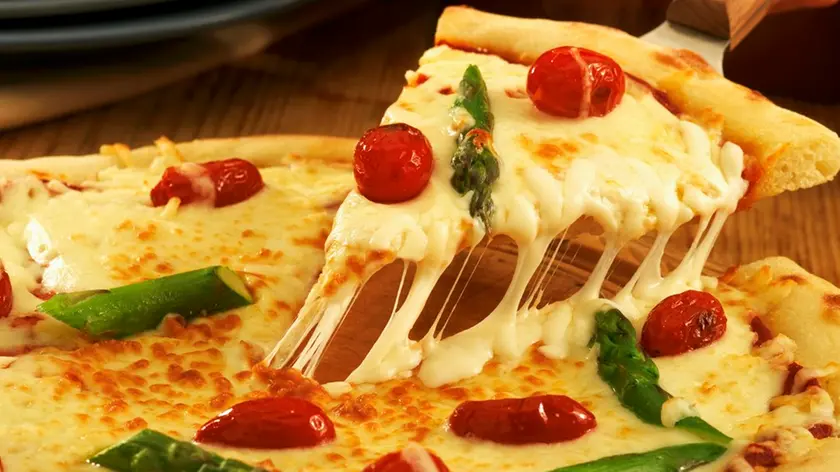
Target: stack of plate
28, 26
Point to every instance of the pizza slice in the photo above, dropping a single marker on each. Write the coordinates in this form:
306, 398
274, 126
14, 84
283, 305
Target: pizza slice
142, 222
539, 130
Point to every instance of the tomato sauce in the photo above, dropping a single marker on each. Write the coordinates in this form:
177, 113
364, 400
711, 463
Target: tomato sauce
5, 293
763, 333
821, 430
659, 95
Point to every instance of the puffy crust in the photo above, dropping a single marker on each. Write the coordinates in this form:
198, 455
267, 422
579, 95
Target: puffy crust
799, 305
793, 151
263, 151
796, 303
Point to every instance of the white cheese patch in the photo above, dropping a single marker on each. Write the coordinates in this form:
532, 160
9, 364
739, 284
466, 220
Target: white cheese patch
675, 409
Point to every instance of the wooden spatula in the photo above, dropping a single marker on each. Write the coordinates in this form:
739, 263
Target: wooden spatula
708, 27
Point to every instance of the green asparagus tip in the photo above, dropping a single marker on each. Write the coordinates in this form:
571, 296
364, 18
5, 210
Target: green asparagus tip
680, 458
151, 451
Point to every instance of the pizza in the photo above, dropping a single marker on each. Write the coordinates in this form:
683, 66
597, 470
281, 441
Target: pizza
166, 308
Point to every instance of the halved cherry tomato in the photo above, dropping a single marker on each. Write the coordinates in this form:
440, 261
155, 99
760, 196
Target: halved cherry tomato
269, 423
683, 322
539, 419
392, 163
5, 293
575, 83
405, 461
232, 180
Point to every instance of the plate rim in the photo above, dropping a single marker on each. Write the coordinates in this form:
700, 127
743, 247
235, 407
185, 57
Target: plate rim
132, 31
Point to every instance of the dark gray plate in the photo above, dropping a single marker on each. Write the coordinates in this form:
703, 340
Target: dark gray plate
163, 20
40, 8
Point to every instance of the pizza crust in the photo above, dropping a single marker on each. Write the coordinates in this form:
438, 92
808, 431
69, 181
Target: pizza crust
800, 305
264, 151
796, 303
793, 151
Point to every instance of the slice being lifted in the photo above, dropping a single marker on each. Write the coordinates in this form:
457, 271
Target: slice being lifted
539, 130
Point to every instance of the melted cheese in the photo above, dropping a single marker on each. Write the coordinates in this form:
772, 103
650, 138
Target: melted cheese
175, 383
636, 170
108, 235
63, 405
175, 380
675, 409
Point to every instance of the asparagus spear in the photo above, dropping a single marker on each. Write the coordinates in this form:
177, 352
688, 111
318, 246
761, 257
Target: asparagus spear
138, 307
473, 98
635, 378
475, 162
667, 459
476, 168
151, 451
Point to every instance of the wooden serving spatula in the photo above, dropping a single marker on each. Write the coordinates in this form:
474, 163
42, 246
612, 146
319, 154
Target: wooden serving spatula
708, 27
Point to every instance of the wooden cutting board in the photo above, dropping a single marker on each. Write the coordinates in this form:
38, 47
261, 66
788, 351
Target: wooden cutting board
491, 269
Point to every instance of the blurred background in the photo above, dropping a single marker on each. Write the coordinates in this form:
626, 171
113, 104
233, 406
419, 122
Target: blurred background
61, 56
75, 74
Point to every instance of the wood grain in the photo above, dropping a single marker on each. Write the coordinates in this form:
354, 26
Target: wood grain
339, 77
708, 16
486, 275
744, 16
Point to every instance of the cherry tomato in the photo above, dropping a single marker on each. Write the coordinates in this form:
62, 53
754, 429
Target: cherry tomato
683, 322
575, 83
406, 461
5, 293
232, 180
173, 184
392, 163
539, 419
236, 180
269, 423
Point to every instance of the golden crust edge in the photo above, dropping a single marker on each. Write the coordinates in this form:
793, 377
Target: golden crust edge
802, 306
264, 151
808, 156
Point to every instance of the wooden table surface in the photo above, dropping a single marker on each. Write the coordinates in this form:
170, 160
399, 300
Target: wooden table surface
339, 77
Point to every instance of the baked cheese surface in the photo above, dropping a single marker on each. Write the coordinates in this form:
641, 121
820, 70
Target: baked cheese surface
58, 239
638, 170
63, 406
64, 403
